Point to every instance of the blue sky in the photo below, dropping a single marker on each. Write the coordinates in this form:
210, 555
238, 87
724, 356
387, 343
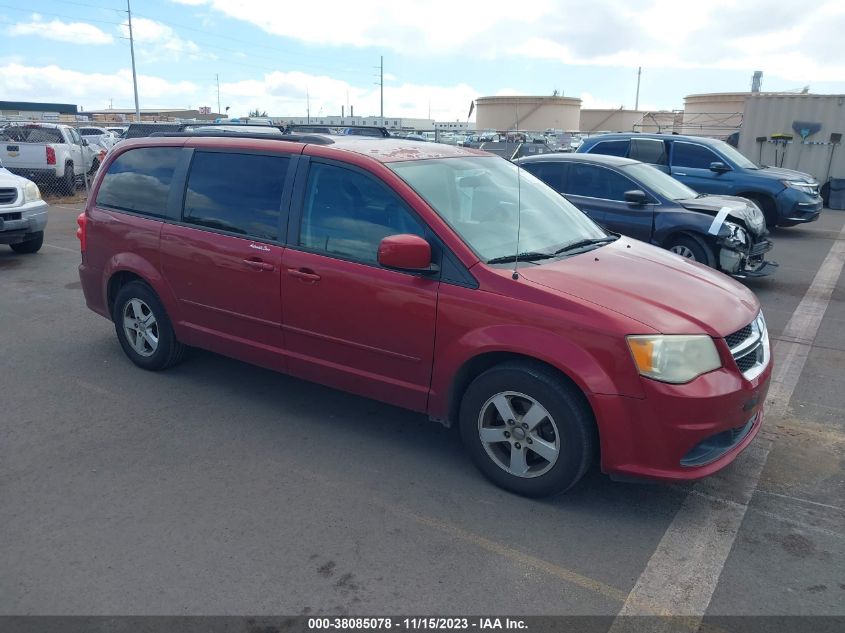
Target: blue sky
438, 55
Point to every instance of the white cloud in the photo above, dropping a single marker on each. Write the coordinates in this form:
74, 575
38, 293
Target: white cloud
718, 34
73, 32
157, 42
284, 94
92, 90
280, 94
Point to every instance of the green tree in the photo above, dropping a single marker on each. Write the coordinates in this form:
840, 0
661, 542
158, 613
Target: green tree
256, 112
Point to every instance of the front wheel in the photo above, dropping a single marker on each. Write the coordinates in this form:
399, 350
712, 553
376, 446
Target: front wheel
31, 245
527, 430
692, 248
143, 328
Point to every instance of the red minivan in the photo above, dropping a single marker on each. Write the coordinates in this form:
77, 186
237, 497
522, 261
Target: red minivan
436, 278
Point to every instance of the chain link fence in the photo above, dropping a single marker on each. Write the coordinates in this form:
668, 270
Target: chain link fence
60, 157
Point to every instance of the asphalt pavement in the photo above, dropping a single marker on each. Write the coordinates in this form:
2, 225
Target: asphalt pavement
222, 488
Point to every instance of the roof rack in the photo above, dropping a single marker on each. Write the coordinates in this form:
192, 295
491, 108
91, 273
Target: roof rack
312, 139
371, 130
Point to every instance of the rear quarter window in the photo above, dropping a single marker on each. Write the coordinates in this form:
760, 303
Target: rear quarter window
139, 181
610, 148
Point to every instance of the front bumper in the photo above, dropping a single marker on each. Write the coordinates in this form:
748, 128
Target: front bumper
18, 223
681, 432
35, 174
746, 262
799, 208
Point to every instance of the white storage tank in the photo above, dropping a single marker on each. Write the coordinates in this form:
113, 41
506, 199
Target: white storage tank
526, 112
717, 114
609, 119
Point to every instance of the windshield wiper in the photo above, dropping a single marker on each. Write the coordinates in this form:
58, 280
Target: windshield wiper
588, 242
528, 256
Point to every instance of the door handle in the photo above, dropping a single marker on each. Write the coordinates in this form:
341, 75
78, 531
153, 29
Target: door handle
305, 274
257, 264
679, 173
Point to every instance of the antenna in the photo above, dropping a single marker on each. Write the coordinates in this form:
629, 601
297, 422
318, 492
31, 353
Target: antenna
518, 201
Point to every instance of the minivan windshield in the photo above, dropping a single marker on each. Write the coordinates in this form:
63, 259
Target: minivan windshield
659, 182
485, 199
734, 155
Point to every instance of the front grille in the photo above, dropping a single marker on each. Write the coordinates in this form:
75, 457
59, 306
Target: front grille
750, 347
8, 217
739, 336
8, 195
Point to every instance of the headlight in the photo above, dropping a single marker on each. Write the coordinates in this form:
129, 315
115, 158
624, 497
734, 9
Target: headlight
674, 358
734, 235
801, 185
31, 192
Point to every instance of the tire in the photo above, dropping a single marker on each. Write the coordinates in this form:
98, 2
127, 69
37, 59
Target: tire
692, 248
767, 206
67, 184
152, 344
564, 424
32, 245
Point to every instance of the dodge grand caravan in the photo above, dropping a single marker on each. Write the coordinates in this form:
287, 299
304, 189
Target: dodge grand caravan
436, 278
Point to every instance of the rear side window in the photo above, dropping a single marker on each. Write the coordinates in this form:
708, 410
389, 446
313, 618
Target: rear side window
553, 174
649, 150
584, 180
347, 213
610, 148
139, 181
692, 156
23, 134
239, 193
593, 181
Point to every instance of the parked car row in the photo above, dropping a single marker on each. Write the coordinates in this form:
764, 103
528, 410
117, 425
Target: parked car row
441, 279
707, 165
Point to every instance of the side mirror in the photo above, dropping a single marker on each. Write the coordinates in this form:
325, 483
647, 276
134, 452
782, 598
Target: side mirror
719, 167
636, 196
85, 142
406, 252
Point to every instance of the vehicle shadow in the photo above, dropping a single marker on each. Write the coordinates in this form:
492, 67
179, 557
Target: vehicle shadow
404, 448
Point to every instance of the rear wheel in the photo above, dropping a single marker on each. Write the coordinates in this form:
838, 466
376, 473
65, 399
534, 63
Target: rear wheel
143, 328
526, 429
31, 245
67, 184
692, 248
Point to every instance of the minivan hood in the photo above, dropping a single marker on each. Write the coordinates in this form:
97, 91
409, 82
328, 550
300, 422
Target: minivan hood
655, 287
779, 173
739, 208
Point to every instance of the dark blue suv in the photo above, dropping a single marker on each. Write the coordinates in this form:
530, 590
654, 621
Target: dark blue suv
786, 197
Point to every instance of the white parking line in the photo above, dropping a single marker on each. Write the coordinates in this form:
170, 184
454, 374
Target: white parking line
62, 248
683, 572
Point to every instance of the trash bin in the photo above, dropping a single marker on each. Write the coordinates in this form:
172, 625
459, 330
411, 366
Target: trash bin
836, 198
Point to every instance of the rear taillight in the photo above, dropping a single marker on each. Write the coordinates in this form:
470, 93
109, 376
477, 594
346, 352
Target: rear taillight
82, 221
51, 156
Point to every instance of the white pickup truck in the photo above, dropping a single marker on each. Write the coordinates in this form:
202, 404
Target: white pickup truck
23, 214
48, 153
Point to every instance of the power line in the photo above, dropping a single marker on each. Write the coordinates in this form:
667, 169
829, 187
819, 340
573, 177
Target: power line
59, 15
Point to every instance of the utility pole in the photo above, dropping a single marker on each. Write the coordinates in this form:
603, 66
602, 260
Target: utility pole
217, 77
381, 81
637, 102
132, 52
307, 106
